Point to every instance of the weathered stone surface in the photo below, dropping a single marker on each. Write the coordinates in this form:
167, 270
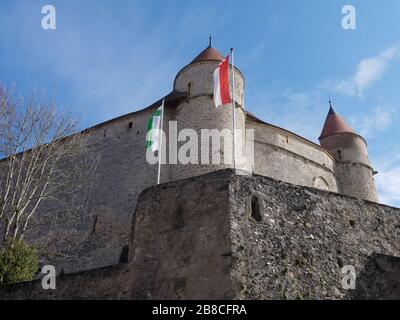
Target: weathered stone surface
282, 155
199, 238
113, 282
180, 240
379, 279
304, 240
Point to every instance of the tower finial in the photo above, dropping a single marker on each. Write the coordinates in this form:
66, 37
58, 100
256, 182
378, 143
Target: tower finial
210, 41
331, 110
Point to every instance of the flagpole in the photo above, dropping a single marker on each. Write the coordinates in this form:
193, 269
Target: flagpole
233, 110
160, 143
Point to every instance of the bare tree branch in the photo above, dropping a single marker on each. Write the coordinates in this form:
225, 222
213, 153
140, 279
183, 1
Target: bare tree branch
46, 168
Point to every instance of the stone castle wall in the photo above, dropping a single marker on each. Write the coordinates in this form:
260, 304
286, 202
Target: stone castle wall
305, 237
222, 236
100, 235
199, 112
352, 147
354, 173
200, 77
102, 232
356, 180
282, 155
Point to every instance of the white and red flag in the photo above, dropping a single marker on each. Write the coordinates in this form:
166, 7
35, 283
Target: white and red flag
221, 84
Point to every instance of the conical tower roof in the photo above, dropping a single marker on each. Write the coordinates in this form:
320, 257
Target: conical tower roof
334, 124
208, 54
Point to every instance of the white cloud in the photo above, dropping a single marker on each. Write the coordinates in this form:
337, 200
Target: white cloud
379, 120
388, 185
368, 71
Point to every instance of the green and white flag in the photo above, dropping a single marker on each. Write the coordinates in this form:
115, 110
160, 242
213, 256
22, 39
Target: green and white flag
153, 137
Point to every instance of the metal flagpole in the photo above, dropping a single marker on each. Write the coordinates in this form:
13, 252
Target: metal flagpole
160, 143
234, 110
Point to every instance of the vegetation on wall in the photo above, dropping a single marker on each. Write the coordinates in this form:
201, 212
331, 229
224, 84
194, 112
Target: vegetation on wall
18, 262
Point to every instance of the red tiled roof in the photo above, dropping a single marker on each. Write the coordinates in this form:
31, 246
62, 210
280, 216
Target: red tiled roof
334, 124
208, 54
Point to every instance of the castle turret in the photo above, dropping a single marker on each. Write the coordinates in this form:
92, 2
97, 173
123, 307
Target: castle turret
354, 173
198, 111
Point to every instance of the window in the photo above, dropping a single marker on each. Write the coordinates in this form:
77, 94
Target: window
189, 88
255, 209
340, 155
130, 125
96, 225
124, 255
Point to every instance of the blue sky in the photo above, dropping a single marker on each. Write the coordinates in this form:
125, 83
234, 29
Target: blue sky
108, 58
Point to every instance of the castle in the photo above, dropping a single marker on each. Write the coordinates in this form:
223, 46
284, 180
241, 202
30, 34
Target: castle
339, 167
340, 164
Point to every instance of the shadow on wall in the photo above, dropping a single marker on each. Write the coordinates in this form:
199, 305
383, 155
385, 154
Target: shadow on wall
379, 280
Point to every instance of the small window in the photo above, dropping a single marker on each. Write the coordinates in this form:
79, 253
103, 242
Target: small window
189, 88
255, 209
96, 225
340, 155
287, 139
124, 255
130, 125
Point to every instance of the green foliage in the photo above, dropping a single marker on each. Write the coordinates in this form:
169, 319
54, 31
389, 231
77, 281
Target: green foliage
18, 262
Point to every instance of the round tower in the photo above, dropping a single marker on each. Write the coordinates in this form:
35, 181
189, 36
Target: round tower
199, 112
354, 173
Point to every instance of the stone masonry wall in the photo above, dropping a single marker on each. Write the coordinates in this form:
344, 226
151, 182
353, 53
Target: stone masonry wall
304, 238
353, 148
102, 232
180, 240
222, 236
357, 180
199, 112
179, 249
283, 156
353, 169
200, 77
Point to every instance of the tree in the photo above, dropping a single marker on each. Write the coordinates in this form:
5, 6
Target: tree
46, 166
18, 262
